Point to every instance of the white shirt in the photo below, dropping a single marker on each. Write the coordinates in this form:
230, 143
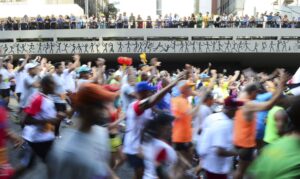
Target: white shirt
217, 134
126, 90
80, 155
151, 151
5, 79
135, 123
60, 85
82, 81
28, 89
203, 112
19, 77
69, 80
37, 133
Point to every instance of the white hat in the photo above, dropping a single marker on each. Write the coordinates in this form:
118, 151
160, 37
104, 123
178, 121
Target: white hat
21, 59
29, 66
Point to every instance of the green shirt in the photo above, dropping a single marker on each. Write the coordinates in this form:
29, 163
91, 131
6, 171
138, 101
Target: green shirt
280, 160
271, 132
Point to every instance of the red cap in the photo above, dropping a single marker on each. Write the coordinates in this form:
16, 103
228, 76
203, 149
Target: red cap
92, 94
232, 102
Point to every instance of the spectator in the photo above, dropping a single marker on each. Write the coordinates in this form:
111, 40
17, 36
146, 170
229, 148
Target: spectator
199, 20
66, 22
47, 22
60, 22
24, 22
40, 22
176, 20
192, 21
120, 22
252, 22
159, 22
206, 19
185, 22
149, 23
285, 22
16, 23
260, 21
237, 21
102, 22
9, 24
53, 22
166, 19
125, 21
73, 21
140, 22
270, 22
132, 21
112, 22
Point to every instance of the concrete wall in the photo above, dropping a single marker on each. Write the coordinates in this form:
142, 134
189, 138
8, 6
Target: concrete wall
114, 41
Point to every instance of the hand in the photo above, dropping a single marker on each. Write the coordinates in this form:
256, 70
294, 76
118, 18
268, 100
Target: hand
76, 57
27, 56
237, 72
157, 64
284, 78
181, 76
89, 64
209, 64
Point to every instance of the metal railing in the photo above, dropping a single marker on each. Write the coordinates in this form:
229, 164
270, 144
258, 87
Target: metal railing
145, 25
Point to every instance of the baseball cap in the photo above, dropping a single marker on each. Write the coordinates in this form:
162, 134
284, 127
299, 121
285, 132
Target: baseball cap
112, 88
204, 75
84, 69
29, 66
232, 102
144, 86
183, 85
93, 94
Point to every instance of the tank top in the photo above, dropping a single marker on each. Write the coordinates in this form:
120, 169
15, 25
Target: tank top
244, 131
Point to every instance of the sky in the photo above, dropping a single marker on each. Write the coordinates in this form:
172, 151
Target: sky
148, 7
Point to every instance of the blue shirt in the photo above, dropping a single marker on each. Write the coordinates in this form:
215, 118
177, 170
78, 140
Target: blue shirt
262, 115
165, 103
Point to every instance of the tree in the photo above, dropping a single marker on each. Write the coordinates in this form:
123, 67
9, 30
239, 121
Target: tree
110, 10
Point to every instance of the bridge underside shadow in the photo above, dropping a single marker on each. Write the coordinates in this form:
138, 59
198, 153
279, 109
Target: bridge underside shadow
259, 61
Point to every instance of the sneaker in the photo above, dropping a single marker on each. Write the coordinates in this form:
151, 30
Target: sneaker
68, 121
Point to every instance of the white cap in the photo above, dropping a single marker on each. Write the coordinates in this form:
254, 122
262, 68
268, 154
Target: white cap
29, 66
21, 59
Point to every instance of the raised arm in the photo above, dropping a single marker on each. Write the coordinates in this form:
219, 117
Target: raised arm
152, 100
76, 64
255, 106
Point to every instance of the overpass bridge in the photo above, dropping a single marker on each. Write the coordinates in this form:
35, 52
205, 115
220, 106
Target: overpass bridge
220, 44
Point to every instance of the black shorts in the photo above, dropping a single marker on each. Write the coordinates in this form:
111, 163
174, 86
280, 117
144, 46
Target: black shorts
178, 146
245, 154
13, 88
135, 161
19, 95
61, 107
4, 93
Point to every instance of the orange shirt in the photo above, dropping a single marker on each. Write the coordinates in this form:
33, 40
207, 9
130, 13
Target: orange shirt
182, 125
244, 132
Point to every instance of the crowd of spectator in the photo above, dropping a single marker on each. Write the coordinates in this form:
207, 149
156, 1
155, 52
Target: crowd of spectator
264, 20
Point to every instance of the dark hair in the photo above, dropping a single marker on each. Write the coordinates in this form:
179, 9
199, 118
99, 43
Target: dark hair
57, 65
46, 80
208, 96
152, 127
251, 88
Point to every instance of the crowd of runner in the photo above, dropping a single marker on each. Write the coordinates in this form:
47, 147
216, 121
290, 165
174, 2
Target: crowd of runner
189, 123
267, 20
